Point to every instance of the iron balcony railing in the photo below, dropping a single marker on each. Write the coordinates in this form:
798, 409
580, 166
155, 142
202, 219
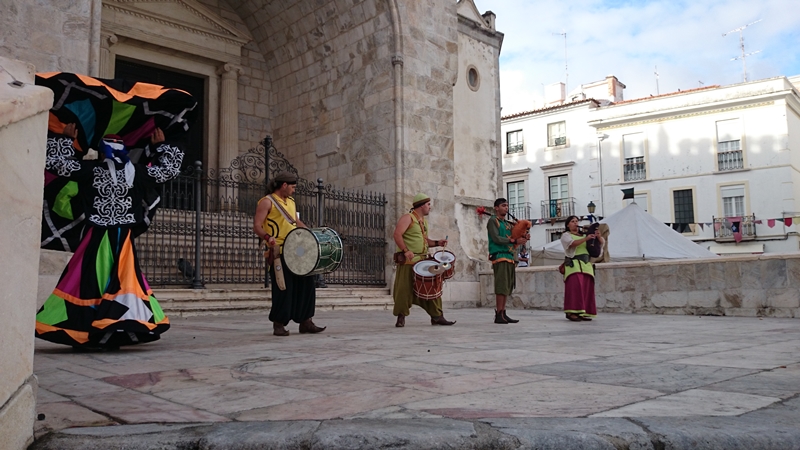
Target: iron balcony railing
516, 148
732, 160
634, 169
725, 227
522, 211
556, 141
558, 209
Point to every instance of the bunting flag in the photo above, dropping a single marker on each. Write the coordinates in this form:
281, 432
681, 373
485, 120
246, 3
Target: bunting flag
787, 221
627, 193
701, 226
770, 223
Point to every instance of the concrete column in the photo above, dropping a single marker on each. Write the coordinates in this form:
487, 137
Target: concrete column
107, 40
228, 114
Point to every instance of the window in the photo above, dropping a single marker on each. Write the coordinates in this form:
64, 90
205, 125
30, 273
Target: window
559, 204
473, 79
729, 145
640, 199
514, 142
634, 166
556, 134
554, 234
684, 206
559, 187
732, 200
516, 199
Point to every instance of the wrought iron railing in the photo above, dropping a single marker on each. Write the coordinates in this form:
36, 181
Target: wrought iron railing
634, 169
203, 232
730, 160
516, 148
522, 211
726, 227
558, 209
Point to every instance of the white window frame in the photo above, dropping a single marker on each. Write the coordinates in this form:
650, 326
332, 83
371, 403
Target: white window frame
693, 189
519, 144
634, 151
729, 138
721, 195
557, 134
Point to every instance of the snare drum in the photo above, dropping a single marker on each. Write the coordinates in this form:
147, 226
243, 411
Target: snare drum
427, 285
312, 251
445, 257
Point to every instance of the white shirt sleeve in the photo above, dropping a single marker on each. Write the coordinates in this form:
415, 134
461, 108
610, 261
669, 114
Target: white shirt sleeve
566, 241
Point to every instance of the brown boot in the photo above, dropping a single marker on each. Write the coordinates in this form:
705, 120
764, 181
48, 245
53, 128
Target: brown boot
440, 320
279, 330
307, 326
401, 321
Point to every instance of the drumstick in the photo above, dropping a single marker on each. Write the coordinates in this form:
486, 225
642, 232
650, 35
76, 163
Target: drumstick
279, 280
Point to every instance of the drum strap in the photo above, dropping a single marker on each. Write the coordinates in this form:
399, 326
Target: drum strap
283, 212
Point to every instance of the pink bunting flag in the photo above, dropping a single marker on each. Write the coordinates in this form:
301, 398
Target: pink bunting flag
770, 223
717, 226
787, 221
737, 237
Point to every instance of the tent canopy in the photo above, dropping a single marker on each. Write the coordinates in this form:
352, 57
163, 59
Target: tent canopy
634, 235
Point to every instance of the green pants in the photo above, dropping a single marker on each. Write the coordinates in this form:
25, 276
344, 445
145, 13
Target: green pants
404, 294
505, 278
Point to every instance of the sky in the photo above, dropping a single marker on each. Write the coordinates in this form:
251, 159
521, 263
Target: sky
629, 39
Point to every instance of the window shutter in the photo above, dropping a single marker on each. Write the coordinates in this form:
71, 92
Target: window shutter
634, 145
729, 130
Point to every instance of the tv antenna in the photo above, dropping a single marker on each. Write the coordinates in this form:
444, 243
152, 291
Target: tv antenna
656, 72
566, 72
743, 56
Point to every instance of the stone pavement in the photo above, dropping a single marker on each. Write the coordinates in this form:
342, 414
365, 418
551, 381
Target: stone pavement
621, 381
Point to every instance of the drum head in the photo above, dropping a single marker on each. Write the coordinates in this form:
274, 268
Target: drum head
301, 251
443, 256
422, 268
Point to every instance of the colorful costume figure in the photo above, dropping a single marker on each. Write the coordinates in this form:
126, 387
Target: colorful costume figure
102, 298
579, 298
503, 257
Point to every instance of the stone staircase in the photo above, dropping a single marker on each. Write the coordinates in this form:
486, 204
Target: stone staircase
221, 300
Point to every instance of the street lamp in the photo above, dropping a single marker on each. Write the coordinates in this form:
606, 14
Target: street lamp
601, 138
591, 207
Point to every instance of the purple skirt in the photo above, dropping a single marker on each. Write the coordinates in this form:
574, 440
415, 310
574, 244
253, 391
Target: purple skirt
579, 295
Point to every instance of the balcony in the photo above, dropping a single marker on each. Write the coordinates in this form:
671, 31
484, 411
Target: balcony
634, 169
731, 160
522, 211
724, 227
558, 209
516, 148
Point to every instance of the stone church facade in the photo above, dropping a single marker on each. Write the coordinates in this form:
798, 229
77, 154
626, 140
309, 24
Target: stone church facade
391, 96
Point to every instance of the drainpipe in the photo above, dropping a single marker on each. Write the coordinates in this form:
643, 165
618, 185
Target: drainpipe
397, 66
600, 139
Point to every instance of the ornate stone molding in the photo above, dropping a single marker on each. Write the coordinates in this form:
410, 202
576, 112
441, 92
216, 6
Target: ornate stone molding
229, 70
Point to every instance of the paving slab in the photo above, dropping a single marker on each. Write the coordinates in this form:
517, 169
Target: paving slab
621, 381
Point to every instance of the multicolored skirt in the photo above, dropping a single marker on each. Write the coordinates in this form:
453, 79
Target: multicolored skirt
102, 299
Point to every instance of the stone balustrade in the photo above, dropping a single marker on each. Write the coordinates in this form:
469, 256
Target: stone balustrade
762, 286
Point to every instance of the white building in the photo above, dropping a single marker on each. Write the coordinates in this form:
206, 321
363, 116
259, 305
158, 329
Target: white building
706, 161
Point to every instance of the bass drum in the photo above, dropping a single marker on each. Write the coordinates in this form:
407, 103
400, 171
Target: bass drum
312, 251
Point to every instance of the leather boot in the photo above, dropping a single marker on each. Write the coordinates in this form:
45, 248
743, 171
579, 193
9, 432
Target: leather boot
307, 326
499, 318
509, 319
401, 321
440, 320
279, 330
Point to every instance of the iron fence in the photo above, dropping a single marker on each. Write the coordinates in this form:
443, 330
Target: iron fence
203, 232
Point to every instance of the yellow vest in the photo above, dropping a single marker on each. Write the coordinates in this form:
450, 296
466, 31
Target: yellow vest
579, 266
416, 239
275, 224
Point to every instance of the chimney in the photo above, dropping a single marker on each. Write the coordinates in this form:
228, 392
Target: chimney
489, 17
554, 94
615, 89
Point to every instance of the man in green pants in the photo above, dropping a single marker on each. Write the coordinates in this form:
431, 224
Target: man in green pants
503, 256
411, 237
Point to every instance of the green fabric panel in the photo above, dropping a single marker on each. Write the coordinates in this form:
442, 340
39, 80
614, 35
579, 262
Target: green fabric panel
158, 313
62, 205
120, 114
105, 260
53, 311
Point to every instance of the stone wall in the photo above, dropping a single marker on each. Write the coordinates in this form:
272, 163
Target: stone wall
53, 36
767, 286
23, 125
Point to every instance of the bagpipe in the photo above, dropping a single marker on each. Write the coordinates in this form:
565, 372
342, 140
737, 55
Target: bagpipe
521, 228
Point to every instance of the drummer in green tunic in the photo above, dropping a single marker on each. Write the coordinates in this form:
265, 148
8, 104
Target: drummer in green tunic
411, 237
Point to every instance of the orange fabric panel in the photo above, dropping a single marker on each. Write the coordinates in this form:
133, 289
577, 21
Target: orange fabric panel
81, 337
56, 126
103, 323
76, 300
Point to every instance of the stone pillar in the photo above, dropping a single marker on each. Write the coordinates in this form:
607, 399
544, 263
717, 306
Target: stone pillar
23, 138
107, 40
228, 114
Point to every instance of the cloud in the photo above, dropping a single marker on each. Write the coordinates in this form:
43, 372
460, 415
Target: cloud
630, 38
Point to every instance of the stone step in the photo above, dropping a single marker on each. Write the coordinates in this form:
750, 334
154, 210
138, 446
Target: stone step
194, 302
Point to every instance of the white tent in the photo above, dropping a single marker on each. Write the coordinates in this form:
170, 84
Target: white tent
634, 235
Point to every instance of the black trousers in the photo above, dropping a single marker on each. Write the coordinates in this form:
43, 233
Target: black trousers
297, 302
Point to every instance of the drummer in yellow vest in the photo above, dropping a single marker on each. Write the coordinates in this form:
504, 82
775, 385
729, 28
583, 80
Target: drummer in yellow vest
411, 237
275, 217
